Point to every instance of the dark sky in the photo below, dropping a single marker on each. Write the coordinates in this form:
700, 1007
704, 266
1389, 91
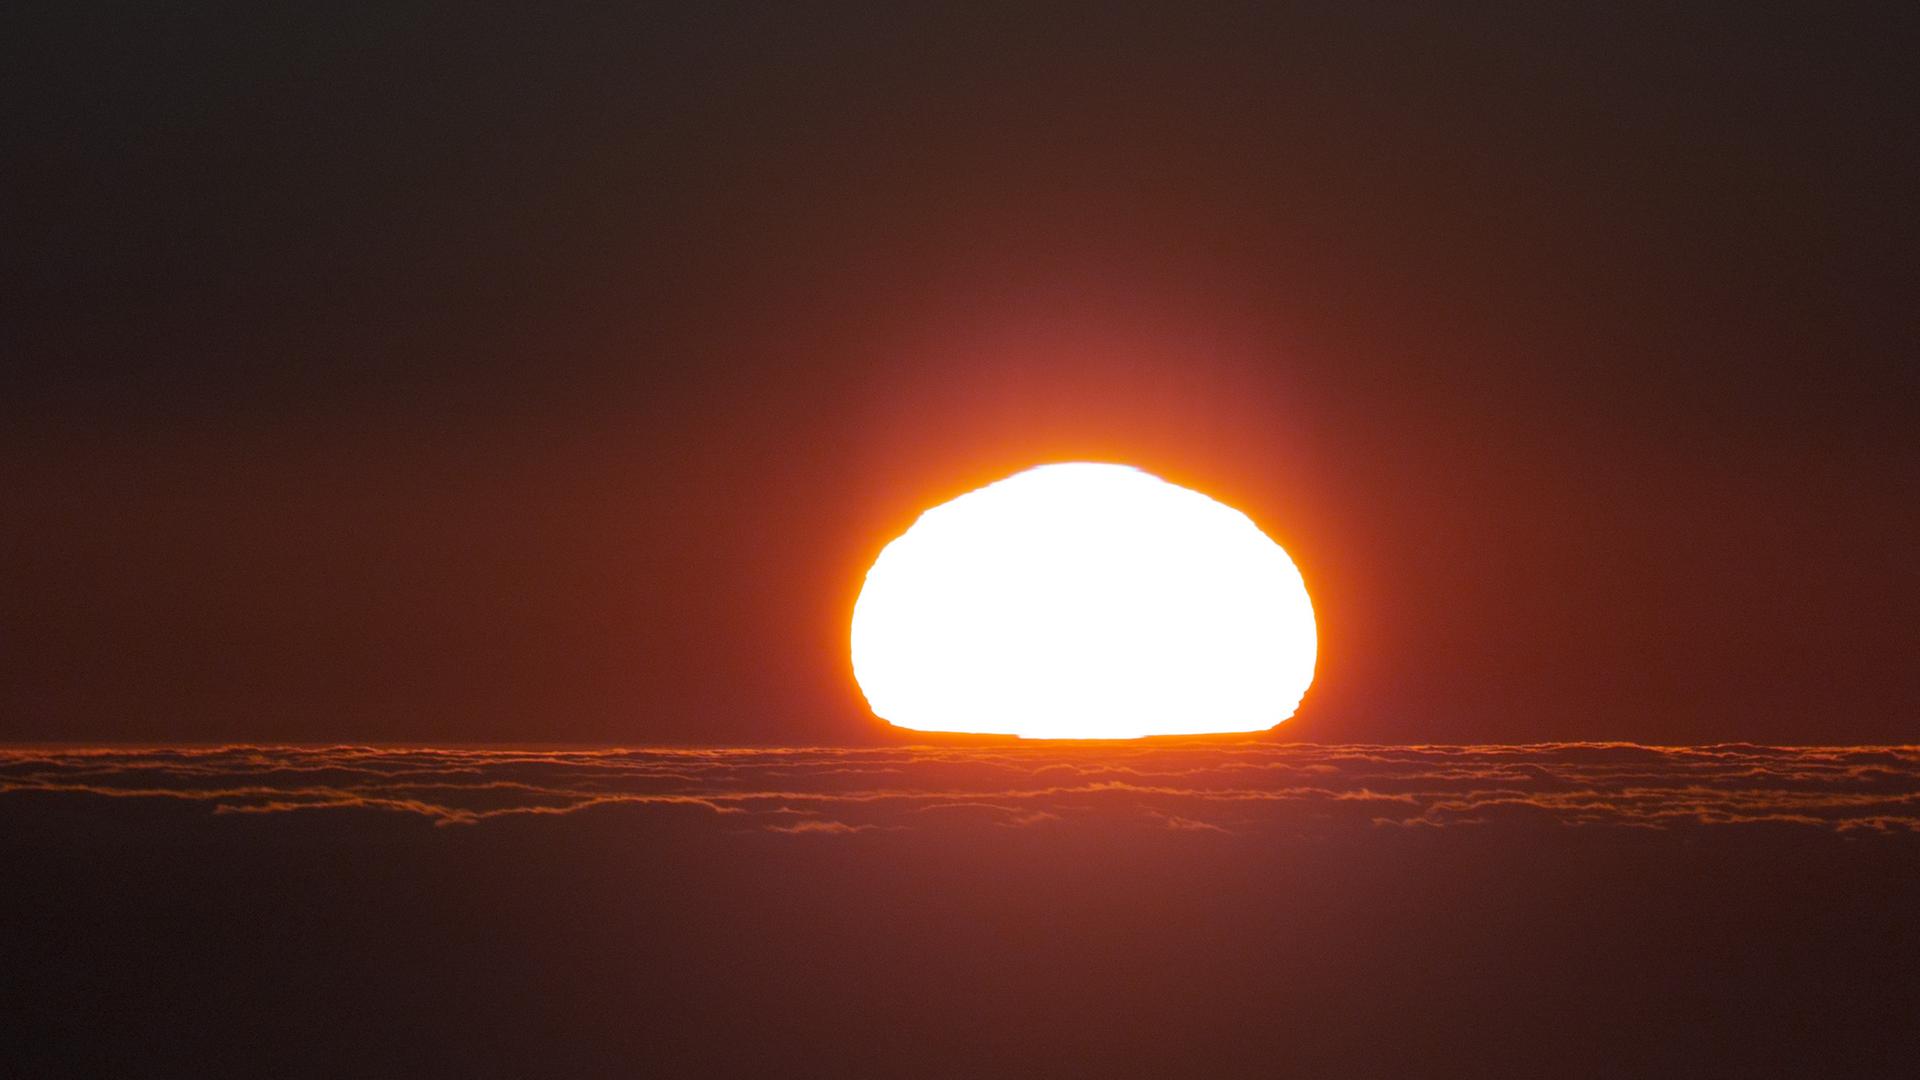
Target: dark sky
427, 372
1222, 910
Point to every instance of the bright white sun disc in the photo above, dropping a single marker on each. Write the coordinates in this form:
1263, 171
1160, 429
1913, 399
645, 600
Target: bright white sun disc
1083, 601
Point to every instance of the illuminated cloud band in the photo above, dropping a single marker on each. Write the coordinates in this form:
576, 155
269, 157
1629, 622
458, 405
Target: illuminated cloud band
1261, 789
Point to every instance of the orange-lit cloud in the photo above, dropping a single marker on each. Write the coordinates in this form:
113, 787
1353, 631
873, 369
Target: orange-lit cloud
1252, 788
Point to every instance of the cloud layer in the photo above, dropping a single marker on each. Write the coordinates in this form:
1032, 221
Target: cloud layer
1202, 788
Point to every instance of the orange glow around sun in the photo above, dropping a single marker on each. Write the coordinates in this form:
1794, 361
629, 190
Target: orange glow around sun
1083, 601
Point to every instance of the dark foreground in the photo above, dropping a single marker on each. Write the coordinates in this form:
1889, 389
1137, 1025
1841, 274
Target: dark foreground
1121, 910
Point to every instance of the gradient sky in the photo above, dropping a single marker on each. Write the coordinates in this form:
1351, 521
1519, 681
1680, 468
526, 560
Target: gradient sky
427, 372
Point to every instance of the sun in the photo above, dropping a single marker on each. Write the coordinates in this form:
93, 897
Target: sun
1083, 601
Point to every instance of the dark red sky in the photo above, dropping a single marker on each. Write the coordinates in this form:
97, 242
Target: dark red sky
413, 372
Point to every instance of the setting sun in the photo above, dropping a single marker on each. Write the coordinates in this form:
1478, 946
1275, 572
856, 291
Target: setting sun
1083, 601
